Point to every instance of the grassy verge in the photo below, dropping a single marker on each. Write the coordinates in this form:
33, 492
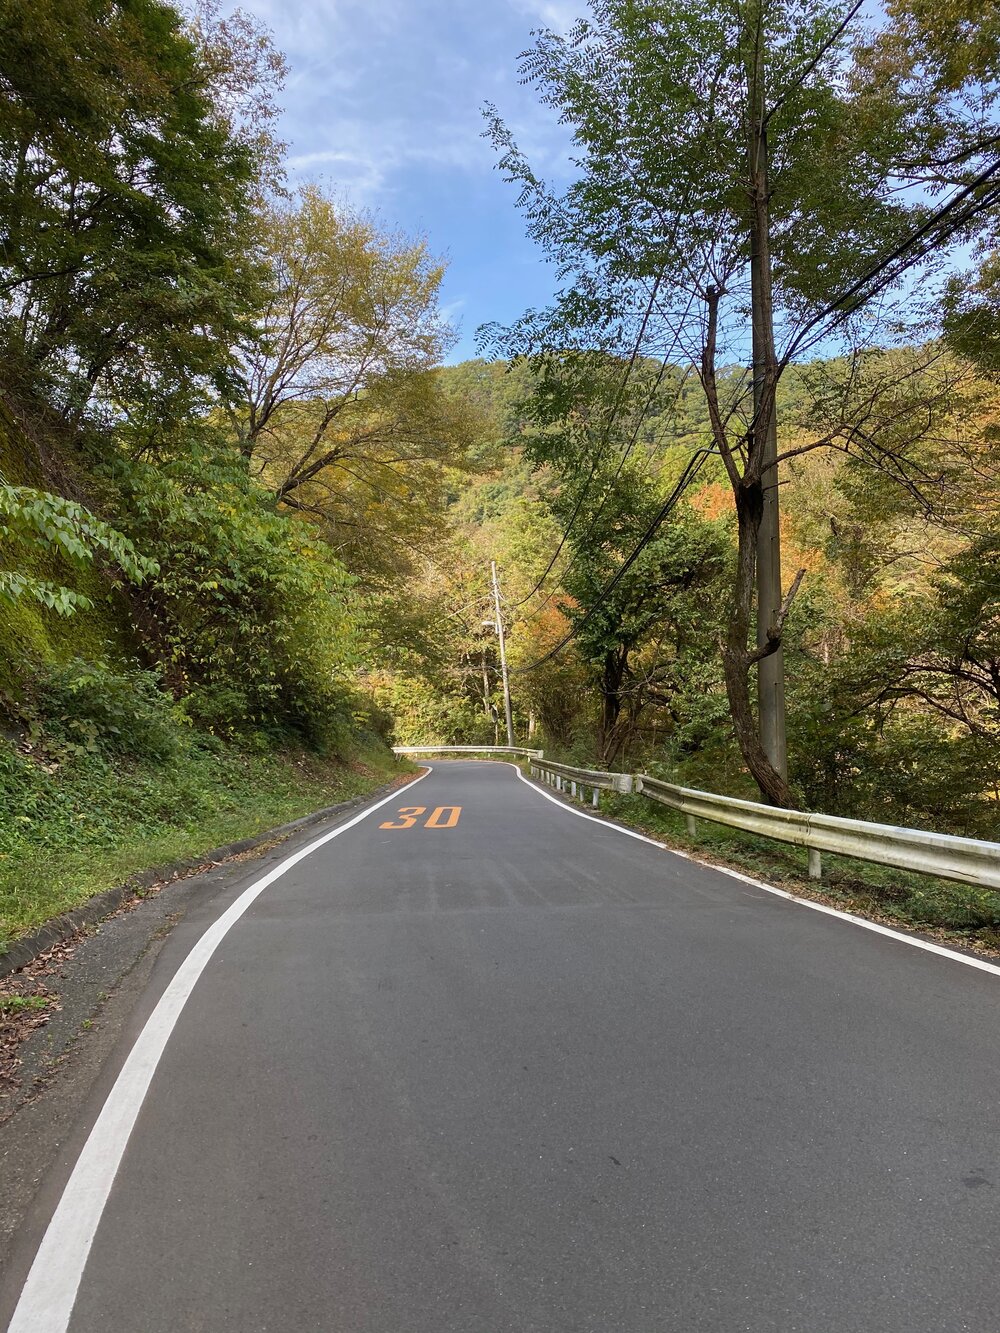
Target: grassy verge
71, 832
960, 914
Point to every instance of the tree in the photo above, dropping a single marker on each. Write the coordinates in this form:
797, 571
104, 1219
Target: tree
348, 308
126, 183
634, 636
952, 45
944, 56
340, 409
951, 666
650, 633
734, 183
249, 616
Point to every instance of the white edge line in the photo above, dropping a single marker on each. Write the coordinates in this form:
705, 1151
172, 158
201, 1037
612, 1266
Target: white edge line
49, 1293
604, 823
927, 945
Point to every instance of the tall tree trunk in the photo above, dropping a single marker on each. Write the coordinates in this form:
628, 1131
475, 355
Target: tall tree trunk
763, 445
737, 661
615, 666
770, 669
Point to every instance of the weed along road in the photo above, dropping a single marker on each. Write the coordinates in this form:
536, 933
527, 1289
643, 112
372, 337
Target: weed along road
475, 1063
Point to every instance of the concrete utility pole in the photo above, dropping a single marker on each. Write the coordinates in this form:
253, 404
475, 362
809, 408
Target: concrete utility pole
503, 655
770, 669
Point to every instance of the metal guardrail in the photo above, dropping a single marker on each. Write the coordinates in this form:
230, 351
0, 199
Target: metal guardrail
941, 854
967, 860
467, 749
565, 778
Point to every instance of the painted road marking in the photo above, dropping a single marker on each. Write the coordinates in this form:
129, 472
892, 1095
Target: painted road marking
452, 811
49, 1294
443, 816
408, 815
979, 963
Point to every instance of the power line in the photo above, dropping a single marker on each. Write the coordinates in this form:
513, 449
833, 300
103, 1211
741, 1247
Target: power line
888, 268
909, 251
621, 462
610, 490
695, 464
804, 73
654, 291
606, 435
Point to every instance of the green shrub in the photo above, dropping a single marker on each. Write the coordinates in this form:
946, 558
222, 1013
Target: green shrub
89, 708
249, 618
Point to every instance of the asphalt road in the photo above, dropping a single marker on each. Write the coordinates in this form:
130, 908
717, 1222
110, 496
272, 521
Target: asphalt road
520, 1071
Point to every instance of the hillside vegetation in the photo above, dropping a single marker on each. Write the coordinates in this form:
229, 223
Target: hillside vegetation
247, 512
892, 646
189, 580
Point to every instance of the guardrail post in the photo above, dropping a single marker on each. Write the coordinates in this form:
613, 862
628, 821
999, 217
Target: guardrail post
815, 864
692, 826
572, 789
597, 798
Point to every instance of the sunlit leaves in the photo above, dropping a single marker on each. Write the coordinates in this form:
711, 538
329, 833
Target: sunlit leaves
61, 528
125, 197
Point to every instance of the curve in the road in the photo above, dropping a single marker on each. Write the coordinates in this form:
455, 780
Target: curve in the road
480, 1068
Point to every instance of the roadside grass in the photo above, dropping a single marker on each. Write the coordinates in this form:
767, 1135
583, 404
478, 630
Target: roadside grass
66, 835
962, 913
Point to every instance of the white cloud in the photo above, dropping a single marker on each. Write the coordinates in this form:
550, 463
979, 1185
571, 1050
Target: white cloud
451, 311
557, 14
381, 89
359, 178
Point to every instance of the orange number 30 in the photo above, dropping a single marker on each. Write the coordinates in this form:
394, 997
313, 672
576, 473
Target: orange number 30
450, 819
408, 817
443, 816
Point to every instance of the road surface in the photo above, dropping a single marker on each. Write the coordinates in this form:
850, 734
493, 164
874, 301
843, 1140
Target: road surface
503, 1068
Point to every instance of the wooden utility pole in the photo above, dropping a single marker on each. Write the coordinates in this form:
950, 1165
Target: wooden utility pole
503, 655
770, 669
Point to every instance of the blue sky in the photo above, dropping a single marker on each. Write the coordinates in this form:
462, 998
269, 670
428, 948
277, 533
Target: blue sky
383, 105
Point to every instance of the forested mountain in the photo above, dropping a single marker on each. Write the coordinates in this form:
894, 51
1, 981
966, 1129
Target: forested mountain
248, 513
892, 643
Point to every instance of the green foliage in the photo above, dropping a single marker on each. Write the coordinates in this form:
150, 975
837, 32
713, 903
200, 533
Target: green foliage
338, 403
658, 99
582, 418
85, 708
67, 531
74, 829
734, 180
250, 385
248, 614
893, 711
14, 1004
125, 203
891, 646
423, 715
952, 45
944, 57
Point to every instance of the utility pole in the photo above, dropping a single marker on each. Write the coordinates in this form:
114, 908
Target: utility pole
503, 655
770, 669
